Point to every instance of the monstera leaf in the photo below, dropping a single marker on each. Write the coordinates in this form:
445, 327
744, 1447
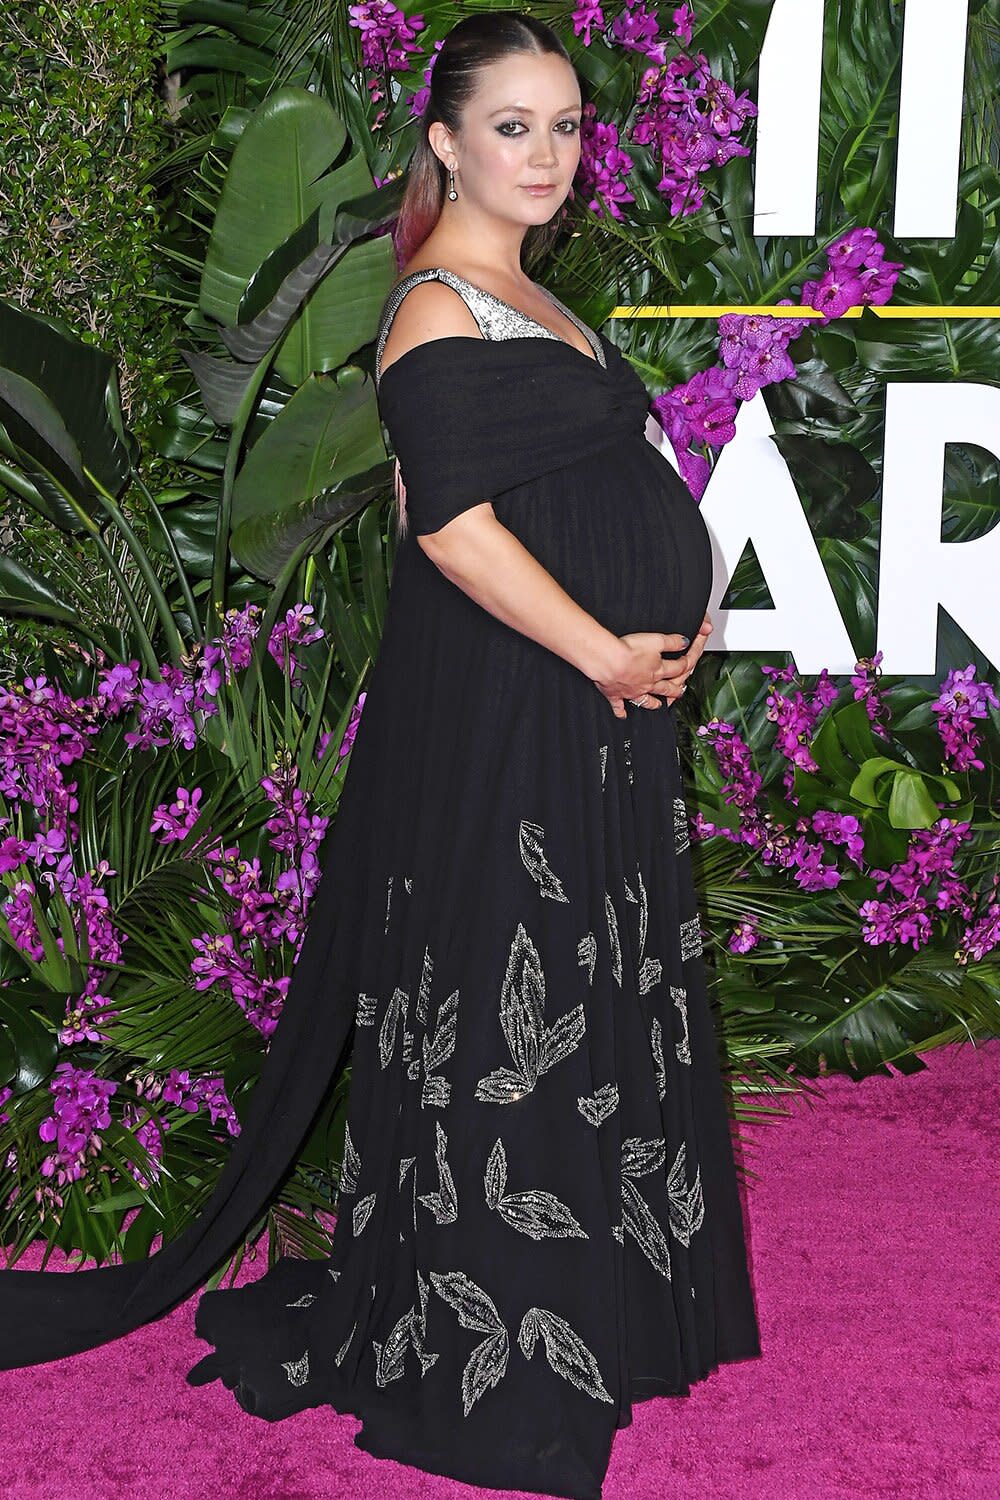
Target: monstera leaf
833, 479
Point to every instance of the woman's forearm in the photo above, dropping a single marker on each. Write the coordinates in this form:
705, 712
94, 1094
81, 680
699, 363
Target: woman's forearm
487, 562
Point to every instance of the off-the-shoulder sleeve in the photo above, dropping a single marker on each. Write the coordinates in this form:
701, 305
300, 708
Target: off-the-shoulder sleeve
470, 418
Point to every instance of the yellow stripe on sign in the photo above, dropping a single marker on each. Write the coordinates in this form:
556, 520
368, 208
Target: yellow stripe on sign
695, 310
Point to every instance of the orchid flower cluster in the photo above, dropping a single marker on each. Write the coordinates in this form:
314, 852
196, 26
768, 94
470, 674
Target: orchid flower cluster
689, 119
186, 1093
44, 733
261, 919
912, 892
962, 702
701, 412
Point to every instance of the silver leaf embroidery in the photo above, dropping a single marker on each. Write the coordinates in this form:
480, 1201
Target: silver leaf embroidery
639, 1158
297, 1370
598, 1106
365, 1013
643, 911
628, 759
405, 1163
616, 1230
390, 1356
495, 1176
475, 1309
424, 991
562, 1037
419, 1327
408, 882
630, 894
682, 835
350, 1168
679, 996
656, 1041
534, 1047
649, 968
691, 944
650, 973
603, 752
566, 1352
536, 1213
637, 1218
362, 1212
486, 1365
687, 1205
394, 1012
530, 839
339, 1356
306, 1300
411, 1328
444, 1203
388, 903
437, 1089
586, 950
616, 951
413, 1179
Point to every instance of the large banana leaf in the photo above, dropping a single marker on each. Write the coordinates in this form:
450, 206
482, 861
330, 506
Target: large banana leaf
328, 433
341, 313
278, 177
265, 544
287, 145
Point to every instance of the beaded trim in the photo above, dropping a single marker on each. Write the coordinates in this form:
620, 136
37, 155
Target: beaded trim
495, 318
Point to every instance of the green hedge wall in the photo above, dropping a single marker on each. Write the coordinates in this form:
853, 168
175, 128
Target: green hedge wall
82, 128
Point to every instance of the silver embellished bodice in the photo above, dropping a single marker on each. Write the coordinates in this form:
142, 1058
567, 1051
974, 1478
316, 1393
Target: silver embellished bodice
495, 318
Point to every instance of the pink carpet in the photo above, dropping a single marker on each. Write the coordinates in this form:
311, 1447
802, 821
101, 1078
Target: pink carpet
876, 1265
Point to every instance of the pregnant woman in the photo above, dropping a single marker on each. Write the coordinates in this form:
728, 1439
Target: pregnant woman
539, 1222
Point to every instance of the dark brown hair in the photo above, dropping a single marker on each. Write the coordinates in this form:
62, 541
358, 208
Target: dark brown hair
470, 46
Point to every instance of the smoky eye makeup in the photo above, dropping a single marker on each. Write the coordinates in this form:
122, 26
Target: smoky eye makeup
502, 130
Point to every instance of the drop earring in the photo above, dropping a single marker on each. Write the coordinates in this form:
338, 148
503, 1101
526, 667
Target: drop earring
451, 184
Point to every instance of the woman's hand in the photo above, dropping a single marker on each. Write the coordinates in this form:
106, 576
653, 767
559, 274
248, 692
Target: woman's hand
644, 672
694, 652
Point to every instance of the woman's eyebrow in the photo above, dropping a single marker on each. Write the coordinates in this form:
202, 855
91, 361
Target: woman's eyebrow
526, 111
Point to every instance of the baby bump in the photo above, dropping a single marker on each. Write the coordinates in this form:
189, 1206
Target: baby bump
622, 535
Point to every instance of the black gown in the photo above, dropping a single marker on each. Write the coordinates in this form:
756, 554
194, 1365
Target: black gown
539, 1222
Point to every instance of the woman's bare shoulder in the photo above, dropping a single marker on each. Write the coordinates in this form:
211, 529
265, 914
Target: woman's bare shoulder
430, 310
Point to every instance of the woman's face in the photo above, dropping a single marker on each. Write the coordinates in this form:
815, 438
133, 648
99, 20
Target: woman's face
521, 129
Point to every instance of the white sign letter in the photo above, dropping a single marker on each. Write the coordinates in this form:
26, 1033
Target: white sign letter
788, 94
917, 571
930, 118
